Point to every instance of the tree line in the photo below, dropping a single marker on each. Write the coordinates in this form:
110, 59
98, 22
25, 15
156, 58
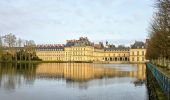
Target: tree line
16, 49
158, 46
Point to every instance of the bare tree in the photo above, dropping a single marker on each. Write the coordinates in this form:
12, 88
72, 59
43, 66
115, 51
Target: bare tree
30, 49
19, 42
1, 41
16, 49
1, 48
158, 46
10, 40
159, 31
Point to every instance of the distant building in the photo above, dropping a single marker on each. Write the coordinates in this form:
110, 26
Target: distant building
116, 55
138, 52
51, 52
79, 50
85, 51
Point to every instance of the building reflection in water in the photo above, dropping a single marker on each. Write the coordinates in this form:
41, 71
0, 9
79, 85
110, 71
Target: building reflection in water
82, 72
15, 75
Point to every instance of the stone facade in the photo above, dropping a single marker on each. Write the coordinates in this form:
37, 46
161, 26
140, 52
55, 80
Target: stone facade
137, 55
84, 50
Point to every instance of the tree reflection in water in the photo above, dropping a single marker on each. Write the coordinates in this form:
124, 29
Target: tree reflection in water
13, 75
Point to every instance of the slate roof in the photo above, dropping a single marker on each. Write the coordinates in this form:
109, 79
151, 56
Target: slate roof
82, 41
138, 45
117, 49
51, 46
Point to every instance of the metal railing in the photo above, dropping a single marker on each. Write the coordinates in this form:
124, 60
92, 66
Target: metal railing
162, 79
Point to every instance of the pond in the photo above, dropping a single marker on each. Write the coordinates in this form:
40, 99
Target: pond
73, 81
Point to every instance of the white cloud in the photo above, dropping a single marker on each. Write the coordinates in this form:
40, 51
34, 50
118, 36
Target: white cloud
62, 19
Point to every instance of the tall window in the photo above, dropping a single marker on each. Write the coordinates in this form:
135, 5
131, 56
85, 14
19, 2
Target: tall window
137, 58
138, 53
133, 59
133, 53
143, 59
143, 53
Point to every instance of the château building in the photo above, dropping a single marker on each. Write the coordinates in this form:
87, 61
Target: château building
83, 50
137, 52
50, 52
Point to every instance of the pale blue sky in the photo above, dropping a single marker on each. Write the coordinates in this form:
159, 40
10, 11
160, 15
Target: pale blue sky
54, 21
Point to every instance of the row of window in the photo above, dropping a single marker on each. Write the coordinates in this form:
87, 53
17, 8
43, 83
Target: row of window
138, 53
106, 59
116, 59
117, 55
50, 49
81, 49
51, 58
117, 50
51, 55
138, 59
48, 53
77, 58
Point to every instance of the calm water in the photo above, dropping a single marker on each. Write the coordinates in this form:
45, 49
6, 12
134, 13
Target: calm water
52, 81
